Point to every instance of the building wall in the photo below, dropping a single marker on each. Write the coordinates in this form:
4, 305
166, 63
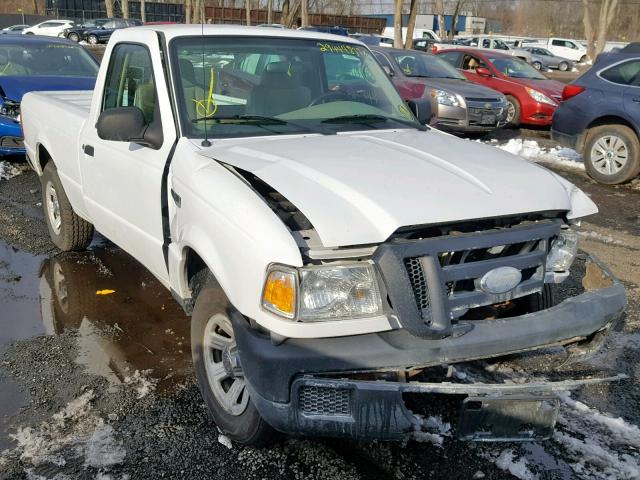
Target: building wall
27, 6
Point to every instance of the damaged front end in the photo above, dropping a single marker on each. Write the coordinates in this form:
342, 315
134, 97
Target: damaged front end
366, 386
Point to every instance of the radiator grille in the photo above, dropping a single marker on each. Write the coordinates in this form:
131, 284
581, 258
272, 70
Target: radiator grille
419, 286
12, 142
324, 400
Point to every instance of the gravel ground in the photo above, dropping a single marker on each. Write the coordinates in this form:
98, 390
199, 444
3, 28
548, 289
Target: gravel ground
100, 386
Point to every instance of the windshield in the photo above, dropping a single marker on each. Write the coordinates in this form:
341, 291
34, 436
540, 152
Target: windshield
269, 86
500, 45
55, 59
422, 65
516, 68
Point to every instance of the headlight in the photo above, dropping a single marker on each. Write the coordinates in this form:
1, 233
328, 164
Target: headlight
445, 98
540, 97
563, 251
320, 293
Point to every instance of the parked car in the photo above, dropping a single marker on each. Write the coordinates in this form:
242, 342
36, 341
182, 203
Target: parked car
50, 28
79, 32
29, 64
532, 98
373, 40
458, 104
543, 59
498, 45
389, 32
334, 253
342, 31
13, 30
562, 47
600, 117
103, 33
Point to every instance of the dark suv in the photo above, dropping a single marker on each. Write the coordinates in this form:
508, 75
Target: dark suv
600, 116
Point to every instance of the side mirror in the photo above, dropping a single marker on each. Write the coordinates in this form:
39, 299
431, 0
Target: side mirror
422, 110
127, 124
483, 72
388, 70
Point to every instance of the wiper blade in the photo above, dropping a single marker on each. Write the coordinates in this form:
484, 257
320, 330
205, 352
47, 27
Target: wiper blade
242, 118
357, 119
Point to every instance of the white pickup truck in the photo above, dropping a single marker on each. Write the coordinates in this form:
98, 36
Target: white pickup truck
334, 253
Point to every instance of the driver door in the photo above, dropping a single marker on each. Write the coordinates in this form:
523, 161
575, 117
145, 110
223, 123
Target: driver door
122, 181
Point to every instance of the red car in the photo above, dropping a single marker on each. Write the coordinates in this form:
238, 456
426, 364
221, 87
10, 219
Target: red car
532, 98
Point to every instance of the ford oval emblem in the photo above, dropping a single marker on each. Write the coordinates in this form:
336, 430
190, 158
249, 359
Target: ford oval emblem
500, 280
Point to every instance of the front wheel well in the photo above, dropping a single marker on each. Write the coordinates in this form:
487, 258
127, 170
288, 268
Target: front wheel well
44, 157
192, 266
612, 120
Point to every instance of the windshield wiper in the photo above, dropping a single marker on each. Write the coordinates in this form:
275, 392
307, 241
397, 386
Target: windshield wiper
370, 119
259, 121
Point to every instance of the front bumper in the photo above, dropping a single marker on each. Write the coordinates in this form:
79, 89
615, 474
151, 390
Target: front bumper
471, 118
11, 142
289, 386
575, 141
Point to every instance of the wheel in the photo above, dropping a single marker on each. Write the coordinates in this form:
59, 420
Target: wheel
67, 230
537, 65
93, 40
513, 111
74, 36
583, 59
217, 367
612, 154
563, 66
29, 33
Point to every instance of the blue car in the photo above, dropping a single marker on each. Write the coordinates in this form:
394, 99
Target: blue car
35, 63
102, 33
600, 117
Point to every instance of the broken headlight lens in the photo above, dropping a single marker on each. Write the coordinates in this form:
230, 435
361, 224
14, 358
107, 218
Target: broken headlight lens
344, 291
10, 109
563, 251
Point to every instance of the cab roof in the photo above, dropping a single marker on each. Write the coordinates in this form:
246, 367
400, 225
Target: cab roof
196, 30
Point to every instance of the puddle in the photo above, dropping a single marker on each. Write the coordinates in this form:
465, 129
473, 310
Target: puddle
128, 325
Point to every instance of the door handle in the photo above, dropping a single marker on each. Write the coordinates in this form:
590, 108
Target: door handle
88, 150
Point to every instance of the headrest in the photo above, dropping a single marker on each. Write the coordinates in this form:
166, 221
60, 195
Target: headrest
278, 67
187, 72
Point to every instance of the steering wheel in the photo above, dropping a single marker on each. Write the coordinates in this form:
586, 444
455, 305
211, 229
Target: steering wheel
337, 96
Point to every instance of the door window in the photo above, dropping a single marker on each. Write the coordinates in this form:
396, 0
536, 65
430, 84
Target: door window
471, 63
486, 43
130, 81
453, 58
627, 73
383, 60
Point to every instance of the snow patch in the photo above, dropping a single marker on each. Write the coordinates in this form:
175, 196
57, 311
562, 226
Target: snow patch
141, 382
518, 468
602, 238
531, 150
436, 430
74, 432
8, 170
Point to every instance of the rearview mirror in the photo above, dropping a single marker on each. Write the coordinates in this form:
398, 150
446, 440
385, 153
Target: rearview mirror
422, 110
127, 124
483, 72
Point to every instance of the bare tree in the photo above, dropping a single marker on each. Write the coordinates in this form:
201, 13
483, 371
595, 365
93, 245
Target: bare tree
442, 28
596, 33
269, 11
187, 11
125, 8
109, 7
397, 24
304, 13
197, 11
143, 13
247, 5
411, 24
454, 18
35, 7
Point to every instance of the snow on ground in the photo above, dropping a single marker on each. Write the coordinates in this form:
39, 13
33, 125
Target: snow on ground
8, 170
141, 381
436, 430
507, 460
75, 432
531, 150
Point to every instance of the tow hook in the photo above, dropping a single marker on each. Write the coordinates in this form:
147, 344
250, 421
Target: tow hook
231, 361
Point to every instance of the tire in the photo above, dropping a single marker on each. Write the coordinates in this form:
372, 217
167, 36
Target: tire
74, 37
612, 154
583, 59
68, 231
563, 66
211, 327
29, 33
93, 40
513, 111
537, 65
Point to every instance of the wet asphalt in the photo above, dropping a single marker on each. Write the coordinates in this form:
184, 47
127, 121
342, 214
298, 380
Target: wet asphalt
100, 386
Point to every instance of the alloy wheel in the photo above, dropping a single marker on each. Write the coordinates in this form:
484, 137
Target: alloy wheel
53, 208
609, 154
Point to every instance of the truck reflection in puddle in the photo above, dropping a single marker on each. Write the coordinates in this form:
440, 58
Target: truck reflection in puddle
125, 319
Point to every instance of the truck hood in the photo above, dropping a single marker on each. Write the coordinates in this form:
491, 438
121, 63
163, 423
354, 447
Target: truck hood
14, 87
358, 188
